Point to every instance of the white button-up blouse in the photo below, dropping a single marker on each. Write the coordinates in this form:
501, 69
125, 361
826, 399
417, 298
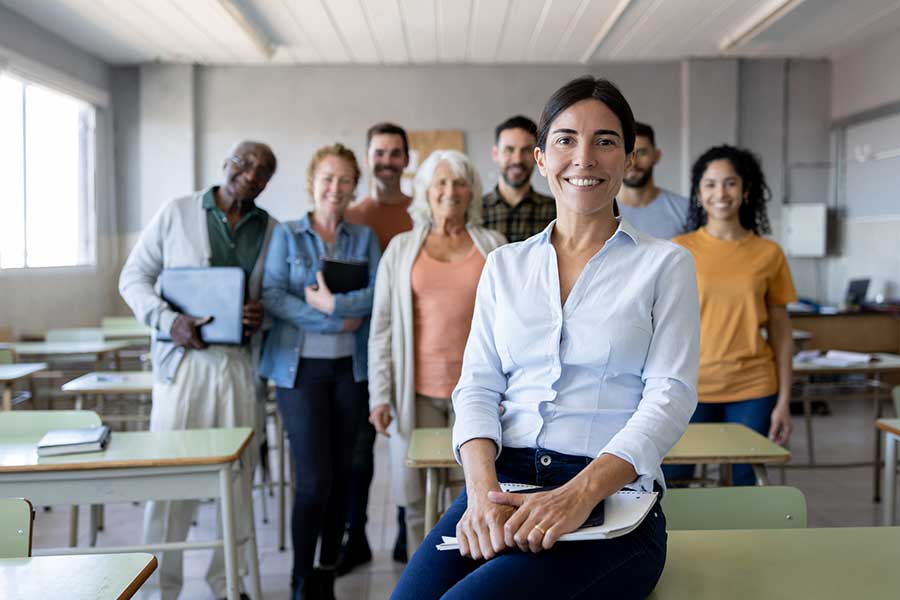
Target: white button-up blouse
613, 371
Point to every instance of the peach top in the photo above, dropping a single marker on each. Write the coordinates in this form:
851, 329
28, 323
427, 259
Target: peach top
443, 296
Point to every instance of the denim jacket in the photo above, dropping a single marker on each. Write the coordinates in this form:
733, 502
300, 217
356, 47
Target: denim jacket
294, 257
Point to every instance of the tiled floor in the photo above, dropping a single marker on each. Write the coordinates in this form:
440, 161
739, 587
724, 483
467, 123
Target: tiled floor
837, 497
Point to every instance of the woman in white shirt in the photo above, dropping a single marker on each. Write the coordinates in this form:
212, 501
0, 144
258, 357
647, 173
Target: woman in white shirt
580, 372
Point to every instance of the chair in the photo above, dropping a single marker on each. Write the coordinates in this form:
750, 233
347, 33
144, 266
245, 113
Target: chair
756, 507
35, 423
896, 394
16, 519
8, 357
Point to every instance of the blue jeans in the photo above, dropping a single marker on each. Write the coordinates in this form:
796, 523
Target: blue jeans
755, 413
321, 418
624, 567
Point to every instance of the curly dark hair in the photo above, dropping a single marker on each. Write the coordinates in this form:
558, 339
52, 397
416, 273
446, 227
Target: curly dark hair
752, 214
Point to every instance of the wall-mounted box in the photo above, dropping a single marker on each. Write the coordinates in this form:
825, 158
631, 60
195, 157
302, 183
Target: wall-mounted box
804, 227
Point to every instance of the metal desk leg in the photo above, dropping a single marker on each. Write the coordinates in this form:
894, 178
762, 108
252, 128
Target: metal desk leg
726, 474
876, 475
250, 551
226, 493
762, 477
73, 526
890, 476
7, 396
431, 498
807, 418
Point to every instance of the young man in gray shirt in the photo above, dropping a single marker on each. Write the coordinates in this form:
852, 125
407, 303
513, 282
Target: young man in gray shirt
651, 209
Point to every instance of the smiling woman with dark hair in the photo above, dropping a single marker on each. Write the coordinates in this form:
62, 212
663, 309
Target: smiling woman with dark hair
579, 372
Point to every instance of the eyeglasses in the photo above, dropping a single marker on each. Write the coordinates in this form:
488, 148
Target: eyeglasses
243, 165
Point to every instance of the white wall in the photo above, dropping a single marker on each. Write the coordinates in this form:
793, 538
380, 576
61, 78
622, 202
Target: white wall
867, 79
32, 300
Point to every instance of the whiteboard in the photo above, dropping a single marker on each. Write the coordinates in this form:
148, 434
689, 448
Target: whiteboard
872, 168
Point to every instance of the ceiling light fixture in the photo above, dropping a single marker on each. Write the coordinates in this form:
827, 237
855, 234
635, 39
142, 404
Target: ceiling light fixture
259, 39
769, 14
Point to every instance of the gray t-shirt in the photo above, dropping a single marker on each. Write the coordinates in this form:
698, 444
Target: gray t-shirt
663, 218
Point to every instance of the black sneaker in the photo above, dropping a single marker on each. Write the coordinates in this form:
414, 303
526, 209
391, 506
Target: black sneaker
355, 552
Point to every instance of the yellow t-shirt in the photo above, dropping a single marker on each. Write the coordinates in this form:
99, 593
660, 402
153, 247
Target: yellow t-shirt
738, 281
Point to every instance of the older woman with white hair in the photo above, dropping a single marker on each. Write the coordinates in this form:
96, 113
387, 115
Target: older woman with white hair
424, 300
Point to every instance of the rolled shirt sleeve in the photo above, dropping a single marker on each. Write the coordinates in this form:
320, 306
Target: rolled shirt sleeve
669, 376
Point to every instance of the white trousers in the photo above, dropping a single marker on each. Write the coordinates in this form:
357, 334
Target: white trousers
215, 387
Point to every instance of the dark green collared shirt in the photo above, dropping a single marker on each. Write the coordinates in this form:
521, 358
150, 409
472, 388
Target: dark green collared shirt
237, 248
520, 222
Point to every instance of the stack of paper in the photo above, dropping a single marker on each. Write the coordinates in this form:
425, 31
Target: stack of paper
625, 510
842, 358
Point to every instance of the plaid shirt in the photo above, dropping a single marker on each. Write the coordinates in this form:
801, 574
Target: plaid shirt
520, 222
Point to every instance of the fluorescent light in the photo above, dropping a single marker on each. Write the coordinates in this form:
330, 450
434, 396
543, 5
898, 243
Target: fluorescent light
769, 14
259, 39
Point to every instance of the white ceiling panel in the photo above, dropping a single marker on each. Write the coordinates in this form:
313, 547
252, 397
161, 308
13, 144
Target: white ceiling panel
351, 23
419, 27
458, 31
452, 22
521, 20
488, 23
386, 26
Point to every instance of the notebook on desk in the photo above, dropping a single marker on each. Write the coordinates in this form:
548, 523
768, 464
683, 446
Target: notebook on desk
73, 441
207, 291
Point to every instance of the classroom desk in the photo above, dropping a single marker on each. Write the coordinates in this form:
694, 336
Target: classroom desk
110, 383
724, 444
874, 371
782, 564
891, 430
84, 577
9, 374
99, 350
140, 465
138, 333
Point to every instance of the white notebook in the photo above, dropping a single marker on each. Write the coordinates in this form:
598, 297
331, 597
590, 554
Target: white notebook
73, 441
624, 511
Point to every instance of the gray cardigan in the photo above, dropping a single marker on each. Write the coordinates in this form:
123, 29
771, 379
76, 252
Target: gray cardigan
176, 237
391, 352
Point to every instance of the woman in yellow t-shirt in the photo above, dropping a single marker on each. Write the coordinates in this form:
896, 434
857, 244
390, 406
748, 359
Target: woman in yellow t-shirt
744, 283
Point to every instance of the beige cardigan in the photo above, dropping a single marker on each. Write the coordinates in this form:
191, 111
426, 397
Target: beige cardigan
391, 350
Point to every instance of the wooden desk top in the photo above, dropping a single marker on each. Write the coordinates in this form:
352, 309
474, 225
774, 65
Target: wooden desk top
784, 564
111, 382
713, 443
78, 577
725, 443
14, 372
885, 362
63, 348
128, 449
889, 425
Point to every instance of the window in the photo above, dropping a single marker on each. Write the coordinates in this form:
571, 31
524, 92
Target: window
46, 177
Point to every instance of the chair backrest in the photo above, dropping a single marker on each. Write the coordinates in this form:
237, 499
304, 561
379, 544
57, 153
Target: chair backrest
7, 354
764, 507
75, 334
39, 422
16, 518
896, 393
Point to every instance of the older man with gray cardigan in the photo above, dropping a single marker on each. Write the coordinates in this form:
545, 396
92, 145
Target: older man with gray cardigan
196, 385
423, 306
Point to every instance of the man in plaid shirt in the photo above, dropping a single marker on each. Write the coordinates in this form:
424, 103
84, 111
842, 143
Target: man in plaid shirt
513, 207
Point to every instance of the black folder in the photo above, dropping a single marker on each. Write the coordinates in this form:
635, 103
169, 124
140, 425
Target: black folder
207, 291
342, 276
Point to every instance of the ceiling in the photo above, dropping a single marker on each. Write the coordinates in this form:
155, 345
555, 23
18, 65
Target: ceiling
458, 31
